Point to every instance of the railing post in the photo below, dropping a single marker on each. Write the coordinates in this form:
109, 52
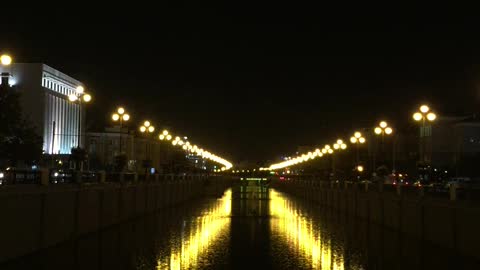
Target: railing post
77, 177
44, 177
121, 177
453, 192
366, 186
135, 177
157, 176
421, 191
399, 189
101, 176
380, 186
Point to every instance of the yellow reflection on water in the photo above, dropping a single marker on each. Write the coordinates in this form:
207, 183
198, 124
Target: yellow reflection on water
201, 235
300, 234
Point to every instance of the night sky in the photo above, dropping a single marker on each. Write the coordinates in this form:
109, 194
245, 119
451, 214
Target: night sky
256, 82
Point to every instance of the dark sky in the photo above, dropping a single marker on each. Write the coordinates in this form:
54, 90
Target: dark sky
253, 82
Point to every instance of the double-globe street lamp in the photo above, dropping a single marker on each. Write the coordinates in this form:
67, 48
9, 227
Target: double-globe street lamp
120, 116
424, 114
77, 97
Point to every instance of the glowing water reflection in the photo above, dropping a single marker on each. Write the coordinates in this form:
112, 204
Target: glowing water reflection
299, 231
200, 235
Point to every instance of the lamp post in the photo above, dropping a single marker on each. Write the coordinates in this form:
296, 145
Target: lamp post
424, 115
146, 129
5, 60
357, 139
78, 96
120, 116
338, 145
382, 129
166, 136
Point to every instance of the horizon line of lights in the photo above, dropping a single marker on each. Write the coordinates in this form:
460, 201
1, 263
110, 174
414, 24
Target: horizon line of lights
194, 149
311, 155
382, 128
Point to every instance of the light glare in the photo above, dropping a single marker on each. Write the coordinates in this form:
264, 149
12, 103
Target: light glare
417, 116
6, 60
424, 108
72, 97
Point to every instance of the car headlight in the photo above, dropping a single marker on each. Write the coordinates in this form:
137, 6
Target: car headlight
1, 175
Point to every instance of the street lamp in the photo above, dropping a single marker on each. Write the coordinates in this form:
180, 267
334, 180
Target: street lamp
357, 139
5, 59
382, 129
78, 96
120, 116
424, 115
146, 129
338, 145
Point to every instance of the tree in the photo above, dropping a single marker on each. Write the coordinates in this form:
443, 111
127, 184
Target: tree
18, 138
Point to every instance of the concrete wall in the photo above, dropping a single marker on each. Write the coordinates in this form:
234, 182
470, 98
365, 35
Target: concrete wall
37, 217
447, 223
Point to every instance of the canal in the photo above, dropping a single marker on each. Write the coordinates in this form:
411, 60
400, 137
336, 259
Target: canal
249, 227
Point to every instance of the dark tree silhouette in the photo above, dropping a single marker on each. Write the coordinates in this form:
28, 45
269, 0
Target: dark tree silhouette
18, 138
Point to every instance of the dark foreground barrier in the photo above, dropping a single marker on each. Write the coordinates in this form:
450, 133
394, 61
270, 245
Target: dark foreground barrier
34, 217
444, 221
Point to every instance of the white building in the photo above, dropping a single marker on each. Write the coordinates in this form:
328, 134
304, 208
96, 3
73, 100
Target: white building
44, 100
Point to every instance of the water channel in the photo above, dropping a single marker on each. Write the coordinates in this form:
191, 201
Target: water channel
248, 227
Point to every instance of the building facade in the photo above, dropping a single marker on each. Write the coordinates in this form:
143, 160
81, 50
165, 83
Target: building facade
103, 147
44, 100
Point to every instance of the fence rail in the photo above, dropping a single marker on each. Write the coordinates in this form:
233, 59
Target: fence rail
45, 177
453, 192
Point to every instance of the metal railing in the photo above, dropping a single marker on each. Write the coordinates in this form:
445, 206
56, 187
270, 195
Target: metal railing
54, 177
452, 193
18, 177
